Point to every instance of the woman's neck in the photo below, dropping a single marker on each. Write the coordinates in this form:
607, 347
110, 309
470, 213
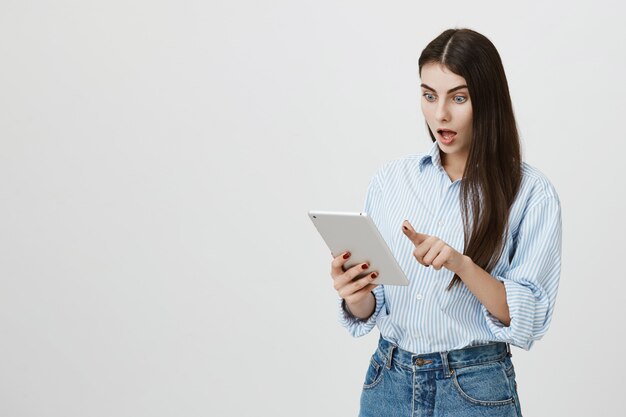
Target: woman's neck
454, 165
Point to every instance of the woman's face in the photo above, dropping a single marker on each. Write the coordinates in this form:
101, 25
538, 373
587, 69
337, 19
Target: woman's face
446, 105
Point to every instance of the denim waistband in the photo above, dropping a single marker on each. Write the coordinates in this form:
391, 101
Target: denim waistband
448, 360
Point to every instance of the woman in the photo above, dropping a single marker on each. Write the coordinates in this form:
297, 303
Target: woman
478, 233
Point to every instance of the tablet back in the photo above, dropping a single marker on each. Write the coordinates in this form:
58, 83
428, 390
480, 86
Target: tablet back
357, 233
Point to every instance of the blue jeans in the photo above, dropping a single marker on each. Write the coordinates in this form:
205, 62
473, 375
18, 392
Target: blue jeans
474, 381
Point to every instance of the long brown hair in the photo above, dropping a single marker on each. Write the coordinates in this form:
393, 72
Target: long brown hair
493, 170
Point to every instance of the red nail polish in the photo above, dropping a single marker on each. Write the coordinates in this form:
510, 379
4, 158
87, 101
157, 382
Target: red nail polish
347, 255
405, 228
374, 275
364, 266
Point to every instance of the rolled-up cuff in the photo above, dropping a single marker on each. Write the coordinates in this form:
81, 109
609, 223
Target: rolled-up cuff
356, 326
521, 302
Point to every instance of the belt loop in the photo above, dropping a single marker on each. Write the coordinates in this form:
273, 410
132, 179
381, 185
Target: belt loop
508, 350
446, 366
391, 349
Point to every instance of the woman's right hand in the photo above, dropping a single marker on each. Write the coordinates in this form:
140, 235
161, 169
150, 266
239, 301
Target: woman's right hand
356, 292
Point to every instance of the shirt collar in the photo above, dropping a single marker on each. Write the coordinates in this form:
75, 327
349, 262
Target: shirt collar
433, 156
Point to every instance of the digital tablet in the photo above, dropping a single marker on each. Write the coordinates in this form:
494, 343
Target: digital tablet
357, 233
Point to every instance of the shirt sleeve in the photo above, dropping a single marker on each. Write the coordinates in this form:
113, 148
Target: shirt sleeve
532, 281
359, 327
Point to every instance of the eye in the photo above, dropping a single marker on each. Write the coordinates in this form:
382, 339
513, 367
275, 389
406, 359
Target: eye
426, 95
462, 101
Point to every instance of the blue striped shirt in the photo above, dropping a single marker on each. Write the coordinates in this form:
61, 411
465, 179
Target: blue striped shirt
423, 317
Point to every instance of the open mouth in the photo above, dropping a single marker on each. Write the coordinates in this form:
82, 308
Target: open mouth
446, 135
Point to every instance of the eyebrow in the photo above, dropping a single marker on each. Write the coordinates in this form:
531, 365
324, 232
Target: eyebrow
449, 91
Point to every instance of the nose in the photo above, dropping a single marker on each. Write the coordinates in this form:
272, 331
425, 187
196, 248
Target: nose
442, 112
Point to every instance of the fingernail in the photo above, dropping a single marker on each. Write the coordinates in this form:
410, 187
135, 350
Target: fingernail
374, 275
346, 255
364, 266
405, 228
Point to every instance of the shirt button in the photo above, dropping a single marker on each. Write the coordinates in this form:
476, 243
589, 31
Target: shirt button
418, 296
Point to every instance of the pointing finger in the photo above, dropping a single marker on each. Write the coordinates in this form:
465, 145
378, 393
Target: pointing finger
415, 237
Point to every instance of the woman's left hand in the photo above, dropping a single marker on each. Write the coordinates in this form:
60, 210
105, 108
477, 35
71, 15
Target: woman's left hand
430, 250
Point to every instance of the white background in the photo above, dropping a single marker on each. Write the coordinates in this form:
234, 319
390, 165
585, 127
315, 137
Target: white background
158, 159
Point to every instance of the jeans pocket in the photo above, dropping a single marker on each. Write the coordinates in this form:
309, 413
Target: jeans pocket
509, 369
483, 384
374, 372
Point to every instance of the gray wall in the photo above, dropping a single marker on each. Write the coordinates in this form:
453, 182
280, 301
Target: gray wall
158, 158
